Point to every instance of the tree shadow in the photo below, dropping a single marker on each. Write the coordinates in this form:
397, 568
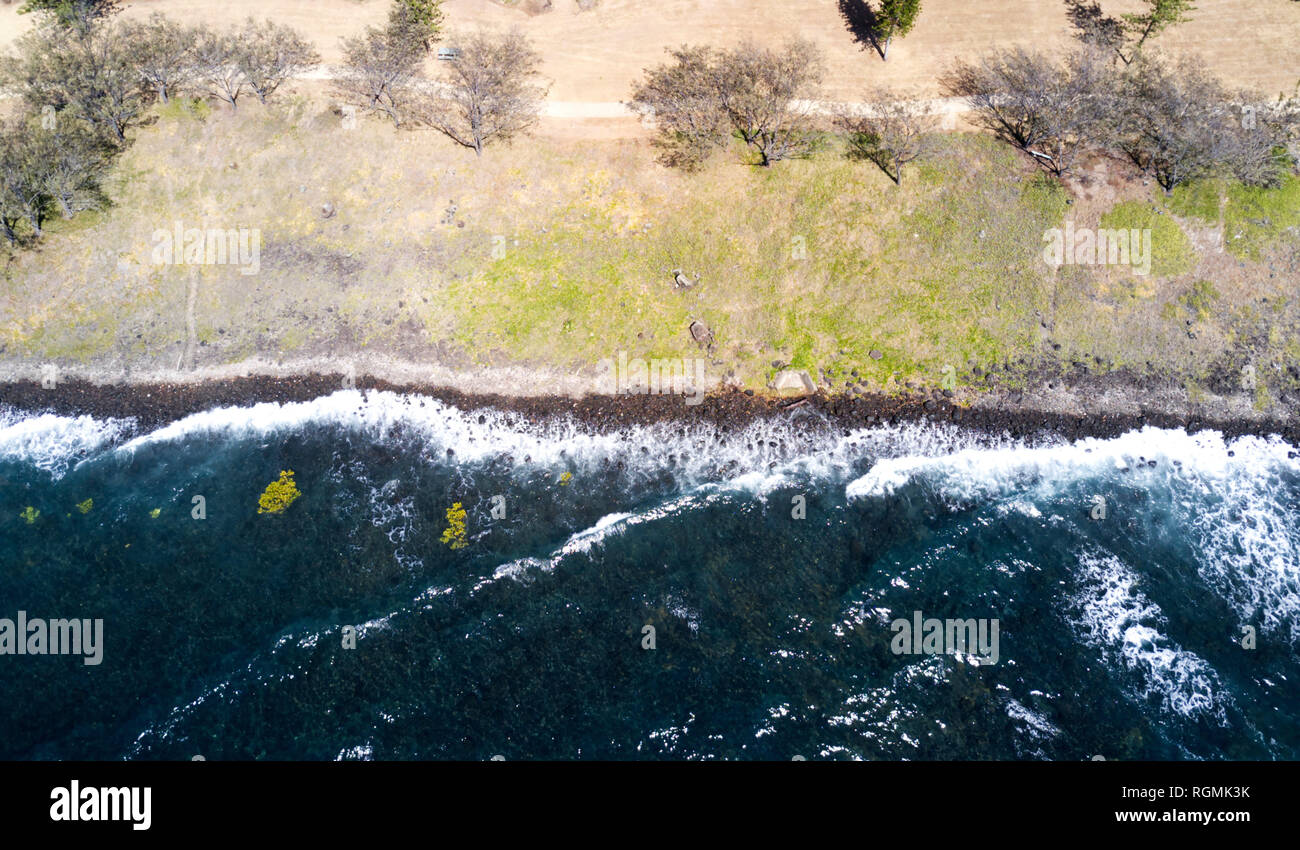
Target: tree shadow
863, 22
1092, 26
865, 147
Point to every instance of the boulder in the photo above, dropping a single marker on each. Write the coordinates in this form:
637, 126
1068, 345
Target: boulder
794, 382
681, 281
700, 333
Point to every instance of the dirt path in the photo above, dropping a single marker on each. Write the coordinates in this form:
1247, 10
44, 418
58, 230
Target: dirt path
613, 109
596, 56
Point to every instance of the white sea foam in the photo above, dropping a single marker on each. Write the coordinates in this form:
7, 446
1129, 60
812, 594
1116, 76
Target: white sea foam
1111, 613
977, 471
1236, 497
1243, 523
582, 542
881, 714
761, 456
691, 454
1034, 724
55, 443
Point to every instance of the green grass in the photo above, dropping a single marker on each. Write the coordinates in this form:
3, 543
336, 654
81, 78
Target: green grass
1172, 253
1257, 219
812, 263
1200, 300
1199, 199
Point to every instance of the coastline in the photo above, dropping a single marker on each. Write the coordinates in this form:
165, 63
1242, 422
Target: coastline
1073, 408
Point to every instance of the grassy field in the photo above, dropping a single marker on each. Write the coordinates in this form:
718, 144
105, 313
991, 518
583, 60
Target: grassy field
561, 254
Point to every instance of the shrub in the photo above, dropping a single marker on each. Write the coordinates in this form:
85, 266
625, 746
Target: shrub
279, 494
454, 535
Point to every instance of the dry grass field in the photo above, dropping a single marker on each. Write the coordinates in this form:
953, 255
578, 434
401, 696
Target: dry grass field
596, 55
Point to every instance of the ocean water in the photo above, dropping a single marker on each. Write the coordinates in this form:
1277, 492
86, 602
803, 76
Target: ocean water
1145, 590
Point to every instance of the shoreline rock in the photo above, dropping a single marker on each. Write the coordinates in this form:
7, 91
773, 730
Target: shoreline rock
156, 404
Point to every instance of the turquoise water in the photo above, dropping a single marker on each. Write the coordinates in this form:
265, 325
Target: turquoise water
773, 565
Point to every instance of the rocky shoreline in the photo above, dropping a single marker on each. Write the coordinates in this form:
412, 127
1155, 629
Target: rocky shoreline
158, 403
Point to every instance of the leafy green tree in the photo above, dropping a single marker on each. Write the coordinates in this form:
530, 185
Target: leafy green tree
1158, 17
418, 20
896, 18
79, 15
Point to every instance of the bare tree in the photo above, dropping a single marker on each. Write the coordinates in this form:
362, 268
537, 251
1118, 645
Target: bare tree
1256, 150
1178, 123
378, 71
765, 95
683, 99
217, 58
67, 166
889, 131
22, 192
269, 54
1051, 112
33, 69
488, 94
762, 95
91, 77
164, 53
